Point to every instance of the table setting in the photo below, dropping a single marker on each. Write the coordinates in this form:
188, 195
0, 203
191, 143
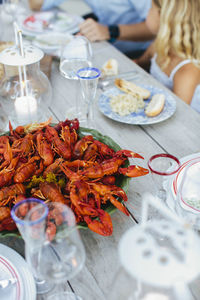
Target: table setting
66, 147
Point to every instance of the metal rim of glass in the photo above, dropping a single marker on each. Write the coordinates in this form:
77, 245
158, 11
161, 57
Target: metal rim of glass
29, 200
164, 155
98, 73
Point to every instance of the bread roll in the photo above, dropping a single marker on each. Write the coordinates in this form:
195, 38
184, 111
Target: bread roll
110, 67
131, 88
155, 106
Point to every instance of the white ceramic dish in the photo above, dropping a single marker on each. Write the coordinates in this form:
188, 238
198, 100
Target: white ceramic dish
13, 265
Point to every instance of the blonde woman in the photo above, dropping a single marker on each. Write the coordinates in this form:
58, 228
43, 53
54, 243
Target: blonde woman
176, 51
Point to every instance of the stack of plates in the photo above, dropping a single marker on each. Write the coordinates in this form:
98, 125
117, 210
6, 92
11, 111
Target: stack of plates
12, 265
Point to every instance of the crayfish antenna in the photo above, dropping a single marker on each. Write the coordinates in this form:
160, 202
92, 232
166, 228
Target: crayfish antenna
128, 153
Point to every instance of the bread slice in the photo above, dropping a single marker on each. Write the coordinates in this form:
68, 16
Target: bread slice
155, 106
131, 88
110, 67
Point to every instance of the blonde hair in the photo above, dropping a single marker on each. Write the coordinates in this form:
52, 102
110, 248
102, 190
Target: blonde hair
179, 31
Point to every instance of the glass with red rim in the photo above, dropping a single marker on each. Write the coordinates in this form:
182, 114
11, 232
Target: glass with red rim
162, 167
187, 202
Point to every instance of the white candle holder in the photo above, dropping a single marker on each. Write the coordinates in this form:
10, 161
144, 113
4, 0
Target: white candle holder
159, 257
25, 91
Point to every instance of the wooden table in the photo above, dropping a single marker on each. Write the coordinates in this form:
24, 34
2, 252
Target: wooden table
178, 135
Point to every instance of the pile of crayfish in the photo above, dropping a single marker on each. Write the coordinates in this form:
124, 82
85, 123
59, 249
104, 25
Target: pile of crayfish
55, 163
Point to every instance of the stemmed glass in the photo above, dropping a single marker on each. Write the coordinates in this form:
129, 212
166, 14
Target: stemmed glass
162, 166
75, 55
62, 255
88, 80
187, 202
33, 231
10, 7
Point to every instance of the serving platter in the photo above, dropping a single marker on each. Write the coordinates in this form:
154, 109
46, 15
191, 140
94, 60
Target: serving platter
137, 118
121, 180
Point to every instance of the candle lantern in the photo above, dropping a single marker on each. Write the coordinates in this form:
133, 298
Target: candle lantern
158, 257
25, 90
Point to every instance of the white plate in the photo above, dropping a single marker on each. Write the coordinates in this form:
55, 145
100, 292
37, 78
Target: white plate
8, 270
13, 265
44, 22
172, 185
138, 118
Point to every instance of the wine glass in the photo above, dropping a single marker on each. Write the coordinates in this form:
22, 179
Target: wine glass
187, 202
75, 55
162, 166
10, 7
63, 254
88, 80
33, 231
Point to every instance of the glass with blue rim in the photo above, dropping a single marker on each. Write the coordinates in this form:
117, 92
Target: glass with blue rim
88, 80
33, 231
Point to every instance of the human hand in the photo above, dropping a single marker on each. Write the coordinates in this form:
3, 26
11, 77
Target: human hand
94, 31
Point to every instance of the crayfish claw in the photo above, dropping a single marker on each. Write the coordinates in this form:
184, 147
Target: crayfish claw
103, 226
133, 171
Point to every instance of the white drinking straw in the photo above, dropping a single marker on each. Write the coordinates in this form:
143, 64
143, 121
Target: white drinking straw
19, 44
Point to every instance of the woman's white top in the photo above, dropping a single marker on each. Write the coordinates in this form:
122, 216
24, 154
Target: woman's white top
157, 73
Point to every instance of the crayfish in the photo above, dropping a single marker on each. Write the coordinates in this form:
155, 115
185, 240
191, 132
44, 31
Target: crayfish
56, 164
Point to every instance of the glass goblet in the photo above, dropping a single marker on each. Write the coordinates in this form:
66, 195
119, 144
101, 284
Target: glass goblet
187, 202
10, 7
75, 55
162, 166
63, 253
33, 231
88, 80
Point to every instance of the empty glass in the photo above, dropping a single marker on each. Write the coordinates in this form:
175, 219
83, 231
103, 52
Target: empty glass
162, 166
63, 254
187, 202
75, 55
32, 226
10, 7
88, 80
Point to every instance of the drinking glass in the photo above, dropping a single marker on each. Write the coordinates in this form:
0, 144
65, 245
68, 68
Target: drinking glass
187, 202
88, 80
10, 7
162, 166
33, 231
75, 55
63, 254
